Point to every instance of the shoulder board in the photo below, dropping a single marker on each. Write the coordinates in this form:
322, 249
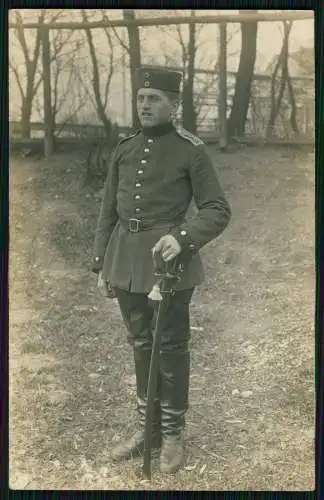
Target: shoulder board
124, 139
189, 137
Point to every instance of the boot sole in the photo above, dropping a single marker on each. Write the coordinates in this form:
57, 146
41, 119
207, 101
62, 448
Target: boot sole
138, 452
171, 470
164, 469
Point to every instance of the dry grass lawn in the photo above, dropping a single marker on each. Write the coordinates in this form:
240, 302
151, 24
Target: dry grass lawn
251, 420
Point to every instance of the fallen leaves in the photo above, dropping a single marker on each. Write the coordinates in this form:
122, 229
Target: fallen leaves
67, 418
191, 467
82, 307
19, 480
130, 380
203, 468
243, 394
246, 394
258, 367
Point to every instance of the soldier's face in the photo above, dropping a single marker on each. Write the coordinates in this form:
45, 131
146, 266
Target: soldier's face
153, 107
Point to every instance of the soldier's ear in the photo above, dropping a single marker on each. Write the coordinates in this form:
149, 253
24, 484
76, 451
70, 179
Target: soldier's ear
175, 105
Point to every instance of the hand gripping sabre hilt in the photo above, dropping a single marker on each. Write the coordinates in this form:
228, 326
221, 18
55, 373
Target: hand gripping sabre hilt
166, 273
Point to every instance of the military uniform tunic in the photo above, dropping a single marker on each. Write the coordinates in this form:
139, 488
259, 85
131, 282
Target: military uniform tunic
155, 179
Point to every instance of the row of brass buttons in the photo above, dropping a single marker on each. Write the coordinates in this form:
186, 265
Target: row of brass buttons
141, 172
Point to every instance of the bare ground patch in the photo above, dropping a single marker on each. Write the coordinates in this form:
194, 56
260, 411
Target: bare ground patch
72, 387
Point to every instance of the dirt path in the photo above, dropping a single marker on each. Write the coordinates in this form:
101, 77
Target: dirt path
250, 425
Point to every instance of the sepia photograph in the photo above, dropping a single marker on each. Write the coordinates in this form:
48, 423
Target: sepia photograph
162, 250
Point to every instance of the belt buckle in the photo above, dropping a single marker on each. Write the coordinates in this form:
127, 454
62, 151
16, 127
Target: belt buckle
134, 225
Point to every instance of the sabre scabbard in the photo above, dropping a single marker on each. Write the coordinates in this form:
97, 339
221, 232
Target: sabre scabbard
167, 273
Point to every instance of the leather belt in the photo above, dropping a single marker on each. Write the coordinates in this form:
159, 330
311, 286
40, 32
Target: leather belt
134, 225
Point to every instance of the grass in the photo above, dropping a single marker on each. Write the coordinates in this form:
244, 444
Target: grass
251, 421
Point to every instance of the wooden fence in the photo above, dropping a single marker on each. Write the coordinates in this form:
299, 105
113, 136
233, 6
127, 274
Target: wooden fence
209, 126
220, 19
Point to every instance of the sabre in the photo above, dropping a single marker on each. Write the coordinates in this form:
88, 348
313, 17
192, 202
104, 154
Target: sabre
167, 274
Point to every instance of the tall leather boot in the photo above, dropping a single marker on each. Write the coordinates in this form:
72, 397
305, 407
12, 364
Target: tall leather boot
134, 446
174, 369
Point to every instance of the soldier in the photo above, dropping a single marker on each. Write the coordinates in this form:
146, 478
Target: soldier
152, 179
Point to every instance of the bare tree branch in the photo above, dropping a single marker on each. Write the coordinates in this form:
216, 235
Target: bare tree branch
57, 16
39, 108
61, 99
230, 35
31, 62
281, 62
38, 41
105, 17
85, 87
17, 77
111, 68
199, 96
59, 43
170, 31
19, 32
96, 79
59, 129
37, 84
183, 45
55, 91
56, 52
71, 52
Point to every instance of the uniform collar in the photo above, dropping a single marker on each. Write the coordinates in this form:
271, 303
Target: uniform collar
158, 130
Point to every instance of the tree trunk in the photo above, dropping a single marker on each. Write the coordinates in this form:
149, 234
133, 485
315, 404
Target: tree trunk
31, 66
241, 100
274, 110
96, 85
293, 116
134, 61
276, 104
189, 117
26, 110
27, 101
283, 62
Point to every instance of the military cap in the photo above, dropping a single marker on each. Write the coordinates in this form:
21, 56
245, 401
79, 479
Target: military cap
158, 77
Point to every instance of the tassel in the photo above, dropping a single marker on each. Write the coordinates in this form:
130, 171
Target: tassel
155, 293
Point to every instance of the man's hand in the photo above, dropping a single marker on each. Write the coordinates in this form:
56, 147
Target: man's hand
168, 247
104, 287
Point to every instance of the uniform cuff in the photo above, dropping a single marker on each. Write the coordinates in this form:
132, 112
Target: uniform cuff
188, 246
97, 264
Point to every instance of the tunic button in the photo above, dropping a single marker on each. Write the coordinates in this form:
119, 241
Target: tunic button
183, 233
139, 171
137, 210
192, 247
137, 197
143, 161
146, 150
97, 258
138, 184
150, 141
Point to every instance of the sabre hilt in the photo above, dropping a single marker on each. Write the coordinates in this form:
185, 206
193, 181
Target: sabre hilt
167, 273
166, 270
